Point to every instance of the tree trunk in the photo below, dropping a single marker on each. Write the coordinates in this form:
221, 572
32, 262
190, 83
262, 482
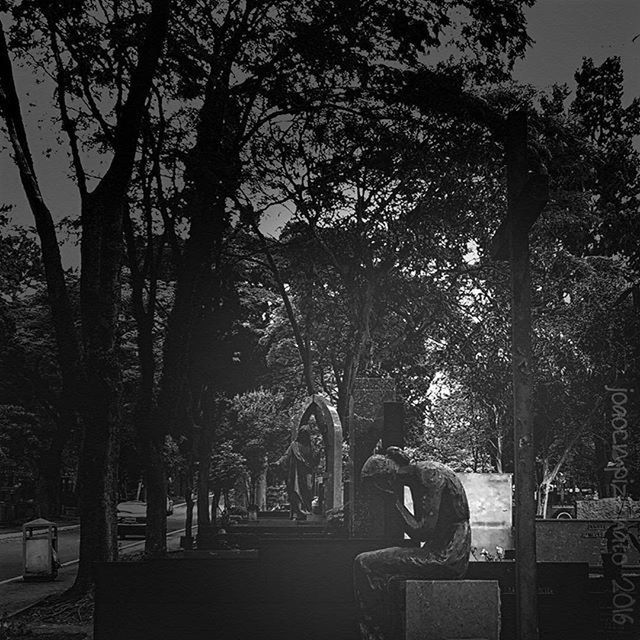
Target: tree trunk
545, 505
150, 432
499, 467
204, 465
101, 251
217, 492
152, 445
50, 466
209, 173
49, 483
151, 437
101, 262
261, 489
543, 489
188, 522
355, 357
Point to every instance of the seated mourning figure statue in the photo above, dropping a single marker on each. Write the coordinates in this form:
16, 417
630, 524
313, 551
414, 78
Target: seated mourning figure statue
299, 462
440, 520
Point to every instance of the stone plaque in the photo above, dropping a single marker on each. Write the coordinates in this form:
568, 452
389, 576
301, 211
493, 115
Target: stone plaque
584, 540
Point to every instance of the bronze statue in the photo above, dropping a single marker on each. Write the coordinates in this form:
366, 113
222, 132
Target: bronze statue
300, 463
440, 520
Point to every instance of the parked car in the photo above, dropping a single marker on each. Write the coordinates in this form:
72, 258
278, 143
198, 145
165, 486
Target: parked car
132, 517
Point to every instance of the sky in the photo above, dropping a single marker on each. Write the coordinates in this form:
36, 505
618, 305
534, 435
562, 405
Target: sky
564, 31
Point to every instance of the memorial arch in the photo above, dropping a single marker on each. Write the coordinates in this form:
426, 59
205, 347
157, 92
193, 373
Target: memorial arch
328, 423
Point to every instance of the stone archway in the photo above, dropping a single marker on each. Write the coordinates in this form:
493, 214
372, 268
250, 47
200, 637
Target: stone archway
328, 422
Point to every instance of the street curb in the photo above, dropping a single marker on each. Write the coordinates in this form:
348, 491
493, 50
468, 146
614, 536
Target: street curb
18, 534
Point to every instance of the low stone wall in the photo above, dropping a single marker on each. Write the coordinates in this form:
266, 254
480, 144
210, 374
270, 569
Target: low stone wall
566, 610
292, 589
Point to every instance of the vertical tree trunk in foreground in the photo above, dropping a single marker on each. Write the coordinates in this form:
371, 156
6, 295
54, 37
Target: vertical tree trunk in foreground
524, 464
101, 256
102, 253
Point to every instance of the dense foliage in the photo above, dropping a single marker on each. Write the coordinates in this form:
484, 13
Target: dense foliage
193, 332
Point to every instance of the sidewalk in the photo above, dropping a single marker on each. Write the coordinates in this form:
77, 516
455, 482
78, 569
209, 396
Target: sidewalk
17, 595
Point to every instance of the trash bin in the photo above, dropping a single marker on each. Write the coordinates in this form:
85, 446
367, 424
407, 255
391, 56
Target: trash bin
40, 550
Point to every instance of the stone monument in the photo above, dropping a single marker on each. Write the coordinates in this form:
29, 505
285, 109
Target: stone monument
440, 520
329, 425
299, 462
374, 419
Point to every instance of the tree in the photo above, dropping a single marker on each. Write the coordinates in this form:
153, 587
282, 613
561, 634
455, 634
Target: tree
264, 70
384, 204
583, 323
262, 431
233, 68
290, 73
227, 467
92, 387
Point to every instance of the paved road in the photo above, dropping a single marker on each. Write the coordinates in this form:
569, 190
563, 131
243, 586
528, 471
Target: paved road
68, 541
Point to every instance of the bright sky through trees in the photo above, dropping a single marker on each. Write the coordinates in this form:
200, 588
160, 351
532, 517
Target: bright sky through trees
564, 31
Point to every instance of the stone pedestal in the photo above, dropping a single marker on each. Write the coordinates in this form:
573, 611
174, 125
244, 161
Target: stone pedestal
452, 610
366, 429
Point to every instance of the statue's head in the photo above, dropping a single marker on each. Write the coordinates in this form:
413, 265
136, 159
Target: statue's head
380, 470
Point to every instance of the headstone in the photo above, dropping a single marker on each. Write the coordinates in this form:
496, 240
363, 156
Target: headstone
490, 497
452, 609
586, 540
607, 509
366, 427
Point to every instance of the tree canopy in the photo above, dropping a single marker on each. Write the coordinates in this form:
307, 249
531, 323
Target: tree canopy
374, 129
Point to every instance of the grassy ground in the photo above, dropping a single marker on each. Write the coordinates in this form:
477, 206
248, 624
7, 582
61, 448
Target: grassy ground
58, 617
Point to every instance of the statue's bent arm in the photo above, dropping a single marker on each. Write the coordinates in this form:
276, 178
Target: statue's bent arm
421, 525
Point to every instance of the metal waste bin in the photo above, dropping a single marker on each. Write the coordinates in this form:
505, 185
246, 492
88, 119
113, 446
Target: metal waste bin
40, 550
